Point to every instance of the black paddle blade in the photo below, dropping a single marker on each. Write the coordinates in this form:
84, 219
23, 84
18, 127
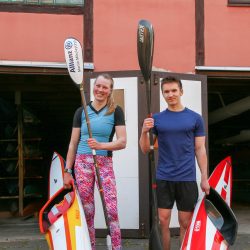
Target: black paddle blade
145, 47
155, 238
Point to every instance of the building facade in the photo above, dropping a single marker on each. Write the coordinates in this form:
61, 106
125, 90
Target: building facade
204, 41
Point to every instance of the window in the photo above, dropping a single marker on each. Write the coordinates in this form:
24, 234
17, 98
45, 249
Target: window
239, 2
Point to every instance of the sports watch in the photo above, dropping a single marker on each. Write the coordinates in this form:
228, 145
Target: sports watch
68, 170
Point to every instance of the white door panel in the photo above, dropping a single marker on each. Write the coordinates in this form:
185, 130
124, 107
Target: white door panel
125, 161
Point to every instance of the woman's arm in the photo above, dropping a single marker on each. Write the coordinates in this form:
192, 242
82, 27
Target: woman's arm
119, 143
70, 159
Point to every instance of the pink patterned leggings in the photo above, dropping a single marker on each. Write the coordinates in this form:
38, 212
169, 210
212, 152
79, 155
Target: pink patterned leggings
85, 180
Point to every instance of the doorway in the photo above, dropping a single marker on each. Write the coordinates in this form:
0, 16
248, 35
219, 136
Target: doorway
229, 130
36, 113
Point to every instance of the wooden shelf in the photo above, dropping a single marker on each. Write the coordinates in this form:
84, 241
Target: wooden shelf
32, 139
26, 161
9, 178
8, 140
9, 159
33, 158
34, 177
24, 139
32, 196
9, 197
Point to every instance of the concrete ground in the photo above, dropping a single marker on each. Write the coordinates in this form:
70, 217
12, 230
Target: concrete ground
24, 234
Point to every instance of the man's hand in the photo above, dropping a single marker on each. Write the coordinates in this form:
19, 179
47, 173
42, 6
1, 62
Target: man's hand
147, 125
205, 187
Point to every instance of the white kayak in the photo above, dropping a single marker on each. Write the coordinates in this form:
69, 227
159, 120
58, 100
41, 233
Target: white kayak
62, 218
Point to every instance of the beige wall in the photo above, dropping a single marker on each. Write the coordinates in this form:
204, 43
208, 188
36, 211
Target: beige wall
36, 37
40, 37
227, 34
115, 27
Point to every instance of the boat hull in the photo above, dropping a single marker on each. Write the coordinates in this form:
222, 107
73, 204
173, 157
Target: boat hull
213, 225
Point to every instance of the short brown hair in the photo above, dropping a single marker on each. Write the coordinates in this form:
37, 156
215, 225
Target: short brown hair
169, 79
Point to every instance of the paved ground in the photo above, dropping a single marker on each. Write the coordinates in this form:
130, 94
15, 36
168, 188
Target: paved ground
20, 234
242, 243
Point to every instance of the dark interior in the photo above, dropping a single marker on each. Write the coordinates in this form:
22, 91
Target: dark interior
53, 99
224, 91
48, 103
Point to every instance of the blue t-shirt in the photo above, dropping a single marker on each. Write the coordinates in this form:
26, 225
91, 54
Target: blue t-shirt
102, 127
176, 132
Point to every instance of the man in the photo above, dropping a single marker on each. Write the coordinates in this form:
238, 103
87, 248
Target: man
181, 137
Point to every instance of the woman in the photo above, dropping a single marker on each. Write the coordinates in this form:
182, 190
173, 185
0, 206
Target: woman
106, 118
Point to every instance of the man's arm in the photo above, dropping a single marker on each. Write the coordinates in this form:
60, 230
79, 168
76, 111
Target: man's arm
144, 139
201, 156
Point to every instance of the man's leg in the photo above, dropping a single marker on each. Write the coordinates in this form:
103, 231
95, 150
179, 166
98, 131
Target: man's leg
187, 195
164, 217
184, 220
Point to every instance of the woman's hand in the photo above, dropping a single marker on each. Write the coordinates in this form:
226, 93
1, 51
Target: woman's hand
118, 144
94, 144
67, 180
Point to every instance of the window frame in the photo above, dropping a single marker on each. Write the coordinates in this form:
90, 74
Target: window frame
42, 8
238, 2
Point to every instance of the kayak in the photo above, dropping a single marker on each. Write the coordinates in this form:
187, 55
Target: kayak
213, 225
62, 218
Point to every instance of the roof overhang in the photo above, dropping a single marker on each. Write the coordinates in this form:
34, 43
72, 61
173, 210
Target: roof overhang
61, 65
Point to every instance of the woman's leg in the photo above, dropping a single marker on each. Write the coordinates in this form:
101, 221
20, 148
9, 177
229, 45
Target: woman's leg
110, 196
85, 180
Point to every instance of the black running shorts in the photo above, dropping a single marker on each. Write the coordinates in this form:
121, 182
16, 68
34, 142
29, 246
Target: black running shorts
185, 193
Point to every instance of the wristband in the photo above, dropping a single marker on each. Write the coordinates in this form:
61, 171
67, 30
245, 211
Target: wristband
68, 170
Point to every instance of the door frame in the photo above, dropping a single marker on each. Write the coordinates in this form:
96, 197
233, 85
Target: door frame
144, 189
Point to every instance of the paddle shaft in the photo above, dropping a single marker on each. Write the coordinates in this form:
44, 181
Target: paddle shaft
145, 48
74, 60
151, 152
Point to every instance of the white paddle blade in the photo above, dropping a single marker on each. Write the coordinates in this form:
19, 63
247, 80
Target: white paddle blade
74, 59
108, 242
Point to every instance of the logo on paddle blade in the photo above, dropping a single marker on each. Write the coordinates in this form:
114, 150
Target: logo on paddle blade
141, 33
68, 45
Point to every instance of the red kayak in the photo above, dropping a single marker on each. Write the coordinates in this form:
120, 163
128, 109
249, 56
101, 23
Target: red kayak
213, 225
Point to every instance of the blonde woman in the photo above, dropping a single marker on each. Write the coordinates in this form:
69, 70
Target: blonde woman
106, 119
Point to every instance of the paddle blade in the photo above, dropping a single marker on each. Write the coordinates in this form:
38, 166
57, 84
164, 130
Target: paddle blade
145, 47
155, 238
74, 59
108, 242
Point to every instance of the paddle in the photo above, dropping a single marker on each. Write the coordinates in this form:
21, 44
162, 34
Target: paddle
74, 59
145, 49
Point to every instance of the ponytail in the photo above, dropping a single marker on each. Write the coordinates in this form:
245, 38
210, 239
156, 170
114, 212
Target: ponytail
111, 104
